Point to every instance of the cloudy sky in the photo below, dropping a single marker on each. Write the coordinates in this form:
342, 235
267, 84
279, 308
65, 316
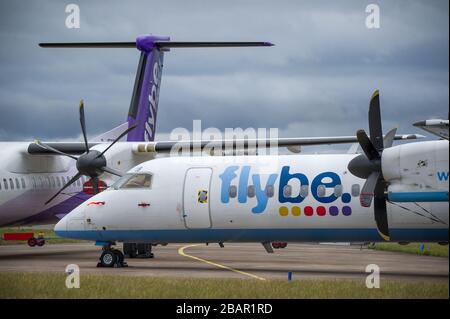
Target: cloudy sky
316, 81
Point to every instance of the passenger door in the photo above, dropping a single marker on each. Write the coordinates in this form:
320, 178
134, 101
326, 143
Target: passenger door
196, 201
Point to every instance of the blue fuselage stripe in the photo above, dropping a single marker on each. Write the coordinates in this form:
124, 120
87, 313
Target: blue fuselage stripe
258, 235
418, 196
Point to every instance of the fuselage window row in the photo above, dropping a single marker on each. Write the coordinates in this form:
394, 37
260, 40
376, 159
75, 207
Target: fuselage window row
338, 190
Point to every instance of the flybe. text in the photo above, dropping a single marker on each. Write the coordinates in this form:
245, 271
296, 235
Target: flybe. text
246, 177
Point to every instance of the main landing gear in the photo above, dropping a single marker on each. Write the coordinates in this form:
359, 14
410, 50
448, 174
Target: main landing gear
111, 258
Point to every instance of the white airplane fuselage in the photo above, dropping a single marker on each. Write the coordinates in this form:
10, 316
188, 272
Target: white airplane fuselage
245, 198
28, 181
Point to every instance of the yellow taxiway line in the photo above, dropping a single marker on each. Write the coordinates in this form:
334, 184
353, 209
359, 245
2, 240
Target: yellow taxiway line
182, 253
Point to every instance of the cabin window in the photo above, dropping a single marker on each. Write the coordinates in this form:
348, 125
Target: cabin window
287, 191
52, 181
58, 181
41, 182
270, 191
139, 180
321, 190
338, 190
232, 191
251, 191
17, 183
33, 181
11, 183
22, 180
5, 183
0, 186
304, 191
356, 190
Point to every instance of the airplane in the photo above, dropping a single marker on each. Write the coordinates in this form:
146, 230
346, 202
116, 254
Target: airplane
387, 193
35, 175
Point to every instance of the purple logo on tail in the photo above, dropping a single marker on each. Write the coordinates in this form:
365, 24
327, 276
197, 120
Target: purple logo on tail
147, 86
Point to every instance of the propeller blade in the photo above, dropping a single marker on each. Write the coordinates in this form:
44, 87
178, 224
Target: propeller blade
366, 145
54, 150
368, 190
112, 171
83, 125
381, 211
389, 138
118, 138
375, 129
95, 185
73, 180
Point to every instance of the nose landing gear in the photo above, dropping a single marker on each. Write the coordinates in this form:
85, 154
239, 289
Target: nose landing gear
138, 250
112, 258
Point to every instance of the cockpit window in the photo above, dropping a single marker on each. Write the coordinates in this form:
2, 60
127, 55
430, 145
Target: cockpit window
140, 180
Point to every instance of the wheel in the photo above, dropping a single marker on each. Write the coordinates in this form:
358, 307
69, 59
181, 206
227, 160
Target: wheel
275, 245
108, 258
283, 245
32, 242
40, 242
120, 256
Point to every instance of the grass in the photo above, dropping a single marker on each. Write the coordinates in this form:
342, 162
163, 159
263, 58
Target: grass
430, 249
52, 285
48, 233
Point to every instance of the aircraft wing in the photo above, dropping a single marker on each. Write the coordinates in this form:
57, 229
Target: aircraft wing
225, 144
76, 148
73, 148
435, 127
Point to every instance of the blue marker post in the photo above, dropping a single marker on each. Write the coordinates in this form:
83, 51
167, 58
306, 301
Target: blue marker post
290, 276
422, 248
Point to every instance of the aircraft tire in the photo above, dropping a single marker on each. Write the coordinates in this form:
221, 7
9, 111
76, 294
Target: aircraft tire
40, 242
120, 256
108, 258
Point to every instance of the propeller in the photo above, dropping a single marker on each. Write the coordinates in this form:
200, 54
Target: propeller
92, 163
368, 165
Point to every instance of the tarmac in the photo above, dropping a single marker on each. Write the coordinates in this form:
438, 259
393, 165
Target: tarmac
244, 261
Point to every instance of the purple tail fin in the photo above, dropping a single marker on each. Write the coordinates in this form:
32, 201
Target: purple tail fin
144, 102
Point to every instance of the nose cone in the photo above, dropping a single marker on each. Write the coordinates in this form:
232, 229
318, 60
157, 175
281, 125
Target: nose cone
61, 226
71, 224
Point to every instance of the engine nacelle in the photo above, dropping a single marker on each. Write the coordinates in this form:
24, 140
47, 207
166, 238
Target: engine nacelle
417, 168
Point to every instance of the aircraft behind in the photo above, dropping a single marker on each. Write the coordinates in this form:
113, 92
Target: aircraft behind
41, 182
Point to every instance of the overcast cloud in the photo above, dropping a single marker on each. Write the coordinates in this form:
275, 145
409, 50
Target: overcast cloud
316, 81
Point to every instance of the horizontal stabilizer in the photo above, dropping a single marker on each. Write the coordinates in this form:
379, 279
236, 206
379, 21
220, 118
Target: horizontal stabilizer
162, 44
436, 127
